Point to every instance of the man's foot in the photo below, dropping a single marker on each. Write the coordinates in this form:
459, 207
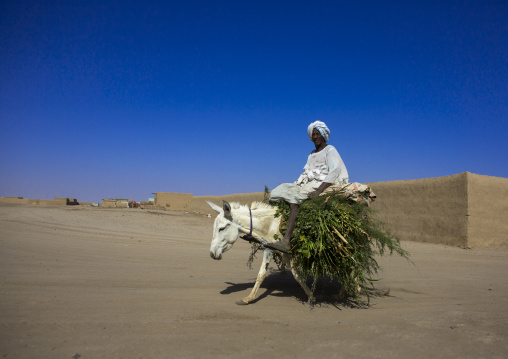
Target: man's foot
279, 247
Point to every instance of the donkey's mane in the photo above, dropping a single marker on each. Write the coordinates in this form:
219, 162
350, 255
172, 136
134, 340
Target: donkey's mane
254, 206
260, 205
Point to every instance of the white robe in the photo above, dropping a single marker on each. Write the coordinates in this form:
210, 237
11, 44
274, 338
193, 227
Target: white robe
323, 166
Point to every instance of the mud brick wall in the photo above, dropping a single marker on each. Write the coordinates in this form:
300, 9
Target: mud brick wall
173, 201
488, 211
199, 204
466, 209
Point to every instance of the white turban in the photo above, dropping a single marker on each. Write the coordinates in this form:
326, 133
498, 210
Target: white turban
321, 127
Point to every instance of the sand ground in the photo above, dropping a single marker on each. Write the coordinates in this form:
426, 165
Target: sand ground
126, 283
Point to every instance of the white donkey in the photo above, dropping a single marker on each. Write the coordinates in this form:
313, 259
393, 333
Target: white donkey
260, 221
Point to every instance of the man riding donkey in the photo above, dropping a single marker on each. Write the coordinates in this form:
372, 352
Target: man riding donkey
324, 168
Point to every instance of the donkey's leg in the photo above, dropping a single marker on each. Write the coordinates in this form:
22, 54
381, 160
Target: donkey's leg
343, 294
267, 257
296, 274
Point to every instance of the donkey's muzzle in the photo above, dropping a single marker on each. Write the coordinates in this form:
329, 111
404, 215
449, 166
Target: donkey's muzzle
217, 258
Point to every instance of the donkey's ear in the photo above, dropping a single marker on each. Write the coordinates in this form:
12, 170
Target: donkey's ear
227, 210
214, 207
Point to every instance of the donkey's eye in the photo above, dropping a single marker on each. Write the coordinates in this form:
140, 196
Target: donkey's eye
223, 228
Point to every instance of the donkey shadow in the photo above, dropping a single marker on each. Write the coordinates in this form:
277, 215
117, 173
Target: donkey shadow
283, 284
277, 283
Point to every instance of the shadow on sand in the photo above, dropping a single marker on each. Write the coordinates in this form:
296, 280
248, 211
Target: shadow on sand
283, 284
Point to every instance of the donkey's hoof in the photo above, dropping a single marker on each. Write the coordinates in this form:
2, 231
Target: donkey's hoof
242, 302
338, 297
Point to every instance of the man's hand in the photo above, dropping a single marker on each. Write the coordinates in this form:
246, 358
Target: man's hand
320, 190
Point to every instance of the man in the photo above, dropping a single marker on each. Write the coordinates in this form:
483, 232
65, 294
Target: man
324, 167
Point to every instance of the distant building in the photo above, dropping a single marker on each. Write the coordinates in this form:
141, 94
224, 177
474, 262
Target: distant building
57, 201
115, 203
173, 201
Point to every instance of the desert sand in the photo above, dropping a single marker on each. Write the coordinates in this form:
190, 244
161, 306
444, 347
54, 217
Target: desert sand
128, 283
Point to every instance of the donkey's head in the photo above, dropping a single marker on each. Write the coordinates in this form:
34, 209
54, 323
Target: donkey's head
225, 231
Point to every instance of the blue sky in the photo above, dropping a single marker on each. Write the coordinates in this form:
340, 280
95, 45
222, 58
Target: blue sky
104, 99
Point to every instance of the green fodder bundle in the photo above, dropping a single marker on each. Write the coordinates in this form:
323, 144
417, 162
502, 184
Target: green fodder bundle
339, 239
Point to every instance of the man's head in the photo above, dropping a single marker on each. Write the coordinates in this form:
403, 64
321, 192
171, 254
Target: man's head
321, 128
317, 138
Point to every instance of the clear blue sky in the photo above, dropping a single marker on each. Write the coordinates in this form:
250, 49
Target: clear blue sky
103, 99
